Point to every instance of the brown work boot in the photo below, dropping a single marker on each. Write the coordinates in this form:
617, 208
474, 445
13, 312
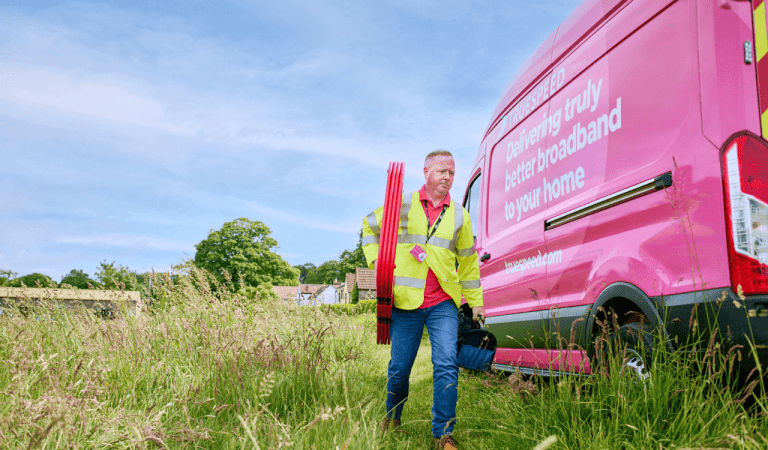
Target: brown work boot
445, 443
385, 426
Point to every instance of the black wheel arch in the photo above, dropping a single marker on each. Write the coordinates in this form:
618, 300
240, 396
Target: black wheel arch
622, 297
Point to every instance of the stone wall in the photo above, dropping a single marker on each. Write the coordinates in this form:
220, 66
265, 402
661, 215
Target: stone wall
109, 303
366, 294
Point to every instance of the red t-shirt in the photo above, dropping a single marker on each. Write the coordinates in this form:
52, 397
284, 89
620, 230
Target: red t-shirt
433, 292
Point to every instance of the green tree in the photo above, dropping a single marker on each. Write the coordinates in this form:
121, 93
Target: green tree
243, 248
329, 271
325, 273
6, 276
304, 270
77, 278
32, 280
355, 296
117, 277
350, 260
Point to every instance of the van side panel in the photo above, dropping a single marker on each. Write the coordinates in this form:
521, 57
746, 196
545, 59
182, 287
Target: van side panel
668, 241
528, 73
588, 17
589, 136
729, 96
513, 234
637, 93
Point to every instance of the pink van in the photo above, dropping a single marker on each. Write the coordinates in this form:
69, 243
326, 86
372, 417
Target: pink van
625, 169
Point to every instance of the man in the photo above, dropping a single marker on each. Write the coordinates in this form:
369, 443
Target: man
434, 234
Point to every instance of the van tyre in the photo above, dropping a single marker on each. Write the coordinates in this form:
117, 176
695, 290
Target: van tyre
633, 343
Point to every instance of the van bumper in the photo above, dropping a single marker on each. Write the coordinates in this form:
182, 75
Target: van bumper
740, 326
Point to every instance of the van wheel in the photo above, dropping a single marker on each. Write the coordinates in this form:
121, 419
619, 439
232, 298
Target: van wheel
632, 344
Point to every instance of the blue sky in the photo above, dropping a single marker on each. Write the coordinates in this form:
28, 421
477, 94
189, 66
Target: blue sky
129, 130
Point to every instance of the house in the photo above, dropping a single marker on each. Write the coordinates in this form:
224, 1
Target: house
325, 295
306, 290
366, 283
338, 286
345, 291
287, 292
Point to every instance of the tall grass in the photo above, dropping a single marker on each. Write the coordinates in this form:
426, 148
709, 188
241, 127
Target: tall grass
208, 368
677, 408
205, 368
694, 397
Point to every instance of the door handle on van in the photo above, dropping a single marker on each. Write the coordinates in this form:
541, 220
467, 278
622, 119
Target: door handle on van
485, 257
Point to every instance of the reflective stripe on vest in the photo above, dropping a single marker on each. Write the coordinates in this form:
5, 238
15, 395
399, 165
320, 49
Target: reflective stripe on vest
458, 222
466, 251
411, 282
441, 242
373, 224
370, 240
404, 211
473, 284
406, 238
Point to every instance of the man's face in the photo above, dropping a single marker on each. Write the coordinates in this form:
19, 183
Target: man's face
439, 173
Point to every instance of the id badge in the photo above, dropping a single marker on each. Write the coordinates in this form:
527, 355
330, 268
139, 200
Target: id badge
419, 253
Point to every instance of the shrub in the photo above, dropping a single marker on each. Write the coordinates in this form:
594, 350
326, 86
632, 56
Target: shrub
33, 280
6, 276
264, 292
353, 309
77, 278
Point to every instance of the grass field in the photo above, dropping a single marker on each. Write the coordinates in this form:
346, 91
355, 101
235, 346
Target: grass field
214, 370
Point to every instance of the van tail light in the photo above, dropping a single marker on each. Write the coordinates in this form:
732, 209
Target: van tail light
745, 179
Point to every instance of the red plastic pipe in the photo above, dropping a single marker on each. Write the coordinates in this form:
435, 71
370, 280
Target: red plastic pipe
390, 224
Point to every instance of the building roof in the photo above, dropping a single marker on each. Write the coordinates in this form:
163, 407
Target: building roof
323, 288
310, 288
366, 279
349, 280
286, 291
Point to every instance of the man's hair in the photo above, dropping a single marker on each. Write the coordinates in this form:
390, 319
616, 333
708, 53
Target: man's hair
435, 154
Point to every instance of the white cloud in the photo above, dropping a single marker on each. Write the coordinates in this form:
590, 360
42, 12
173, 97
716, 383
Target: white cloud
348, 193
11, 199
94, 96
305, 222
18, 235
47, 263
181, 118
105, 105
259, 103
126, 240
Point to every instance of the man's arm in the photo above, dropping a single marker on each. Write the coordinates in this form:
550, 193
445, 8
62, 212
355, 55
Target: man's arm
469, 269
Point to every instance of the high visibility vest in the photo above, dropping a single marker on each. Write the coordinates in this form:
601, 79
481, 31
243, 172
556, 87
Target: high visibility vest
451, 242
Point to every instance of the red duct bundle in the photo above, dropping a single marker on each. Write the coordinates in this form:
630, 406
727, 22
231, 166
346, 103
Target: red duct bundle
387, 245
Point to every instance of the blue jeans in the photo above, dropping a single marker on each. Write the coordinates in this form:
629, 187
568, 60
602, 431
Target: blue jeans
442, 321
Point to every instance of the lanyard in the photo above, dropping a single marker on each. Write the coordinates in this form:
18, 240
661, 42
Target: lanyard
437, 222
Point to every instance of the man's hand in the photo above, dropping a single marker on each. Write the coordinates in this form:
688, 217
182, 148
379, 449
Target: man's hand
478, 313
